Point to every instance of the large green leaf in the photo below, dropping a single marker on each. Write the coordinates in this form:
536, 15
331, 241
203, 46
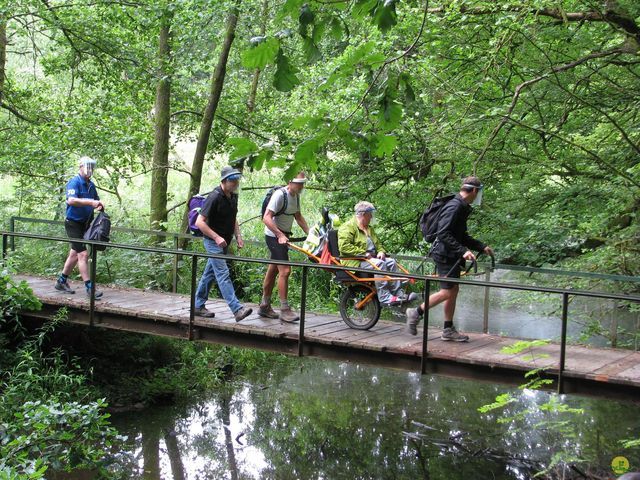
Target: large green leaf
384, 15
285, 80
364, 7
390, 113
305, 19
306, 153
242, 147
384, 145
257, 161
261, 54
293, 170
311, 50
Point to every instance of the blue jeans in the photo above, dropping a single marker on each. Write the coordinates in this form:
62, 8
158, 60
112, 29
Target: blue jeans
217, 270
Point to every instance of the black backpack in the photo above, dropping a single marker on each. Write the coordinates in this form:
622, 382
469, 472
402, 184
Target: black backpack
270, 193
99, 230
429, 219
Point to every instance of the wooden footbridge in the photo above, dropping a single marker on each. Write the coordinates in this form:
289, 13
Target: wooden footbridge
575, 369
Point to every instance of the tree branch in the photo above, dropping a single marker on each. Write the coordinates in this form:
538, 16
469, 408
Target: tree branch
528, 83
16, 112
217, 115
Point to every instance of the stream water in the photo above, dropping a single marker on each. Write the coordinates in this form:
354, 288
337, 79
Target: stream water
326, 420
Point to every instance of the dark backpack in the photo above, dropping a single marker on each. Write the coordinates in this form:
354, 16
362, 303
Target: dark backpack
99, 230
195, 206
268, 196
429, 219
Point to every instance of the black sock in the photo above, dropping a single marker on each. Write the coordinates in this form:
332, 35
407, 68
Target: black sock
420, 310
448, 324
63, 278
88, 284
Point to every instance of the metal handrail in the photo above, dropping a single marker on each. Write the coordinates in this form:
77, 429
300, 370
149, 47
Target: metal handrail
565, 292
416, 258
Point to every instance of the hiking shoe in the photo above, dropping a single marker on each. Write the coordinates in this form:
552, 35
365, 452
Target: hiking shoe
243, 313
267, 312
452, 335
288, 315
203, 312
97, 294
412, 321
64, 287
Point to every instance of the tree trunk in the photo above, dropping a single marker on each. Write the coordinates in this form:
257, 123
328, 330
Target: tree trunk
217, 82
3, 54
162, 117
173, 450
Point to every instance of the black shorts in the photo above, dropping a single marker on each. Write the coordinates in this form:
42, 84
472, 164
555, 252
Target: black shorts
450, 269
278, 251
76, 229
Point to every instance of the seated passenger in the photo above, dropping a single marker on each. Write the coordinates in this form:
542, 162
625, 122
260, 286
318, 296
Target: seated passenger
357, 238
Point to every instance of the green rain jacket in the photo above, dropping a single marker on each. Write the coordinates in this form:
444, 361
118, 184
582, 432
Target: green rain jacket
353, 242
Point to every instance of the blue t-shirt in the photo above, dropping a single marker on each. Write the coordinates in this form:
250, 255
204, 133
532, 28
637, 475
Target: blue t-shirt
78, 187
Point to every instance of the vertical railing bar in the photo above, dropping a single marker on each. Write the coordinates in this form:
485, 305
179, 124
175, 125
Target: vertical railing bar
563, 341
92, 290
303, 309
4, 248
613, 328
12, 229
192, 306
425, 330
485, 313
174, 282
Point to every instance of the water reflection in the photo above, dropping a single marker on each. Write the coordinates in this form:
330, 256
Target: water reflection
328, 420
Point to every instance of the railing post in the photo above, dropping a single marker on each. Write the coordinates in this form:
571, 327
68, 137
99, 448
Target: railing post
485, 315
12, 229
425, 330
92, 290
4, 247
613, 328
192, 307
563, 341
174, 282
303, 309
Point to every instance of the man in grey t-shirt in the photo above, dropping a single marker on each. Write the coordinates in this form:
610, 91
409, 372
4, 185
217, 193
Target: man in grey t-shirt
278, 224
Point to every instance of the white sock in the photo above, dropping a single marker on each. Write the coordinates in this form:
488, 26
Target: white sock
284, 303
266, 300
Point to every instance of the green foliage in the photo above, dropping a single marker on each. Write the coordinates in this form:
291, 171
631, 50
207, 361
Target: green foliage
502, 400
46, 417
15, 296
634, 443
62, 436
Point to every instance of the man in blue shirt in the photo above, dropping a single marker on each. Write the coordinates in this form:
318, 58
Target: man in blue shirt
82, 200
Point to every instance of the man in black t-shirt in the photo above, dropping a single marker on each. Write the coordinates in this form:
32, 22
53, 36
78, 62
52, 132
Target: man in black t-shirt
217, 222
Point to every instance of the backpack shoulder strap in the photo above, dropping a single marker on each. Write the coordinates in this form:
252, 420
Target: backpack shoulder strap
285, 201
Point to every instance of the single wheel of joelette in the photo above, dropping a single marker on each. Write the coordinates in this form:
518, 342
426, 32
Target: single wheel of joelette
359, 307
